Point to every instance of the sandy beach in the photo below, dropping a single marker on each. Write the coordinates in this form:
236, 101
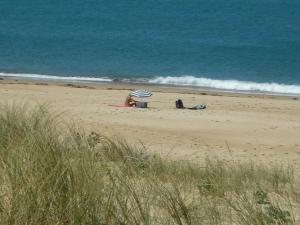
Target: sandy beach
234, 126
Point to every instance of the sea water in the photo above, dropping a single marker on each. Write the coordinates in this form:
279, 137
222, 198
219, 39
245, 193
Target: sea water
243, 45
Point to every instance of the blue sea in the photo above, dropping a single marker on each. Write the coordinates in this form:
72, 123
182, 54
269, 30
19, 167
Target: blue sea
240, 45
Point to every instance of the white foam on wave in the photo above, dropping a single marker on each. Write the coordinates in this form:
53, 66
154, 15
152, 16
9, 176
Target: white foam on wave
230, 85
233, 85
50, 77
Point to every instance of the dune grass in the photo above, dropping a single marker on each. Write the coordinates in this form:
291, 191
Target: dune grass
53, 173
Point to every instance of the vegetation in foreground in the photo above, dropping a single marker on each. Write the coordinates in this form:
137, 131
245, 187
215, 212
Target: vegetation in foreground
53, 173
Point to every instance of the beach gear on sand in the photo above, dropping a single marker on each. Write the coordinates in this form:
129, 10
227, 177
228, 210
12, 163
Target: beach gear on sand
179, 104
141, 104
140, 93
198, 107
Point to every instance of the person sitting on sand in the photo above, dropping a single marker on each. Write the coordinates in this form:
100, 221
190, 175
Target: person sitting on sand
130, 102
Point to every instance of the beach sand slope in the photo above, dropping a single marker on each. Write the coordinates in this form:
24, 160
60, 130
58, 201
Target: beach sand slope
233, 127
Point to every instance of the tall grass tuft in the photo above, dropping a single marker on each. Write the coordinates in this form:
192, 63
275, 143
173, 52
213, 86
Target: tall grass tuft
53, 173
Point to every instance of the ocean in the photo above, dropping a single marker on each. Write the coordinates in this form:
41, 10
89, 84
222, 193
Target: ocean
236, 45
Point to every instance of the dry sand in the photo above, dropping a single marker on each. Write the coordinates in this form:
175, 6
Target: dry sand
233, 127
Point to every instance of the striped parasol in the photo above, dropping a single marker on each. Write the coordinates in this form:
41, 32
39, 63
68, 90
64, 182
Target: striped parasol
140, 93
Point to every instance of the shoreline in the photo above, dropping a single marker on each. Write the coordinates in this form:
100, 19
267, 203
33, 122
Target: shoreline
154, 86
142, 82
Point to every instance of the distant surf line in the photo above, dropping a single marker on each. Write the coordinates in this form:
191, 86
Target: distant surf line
228, 85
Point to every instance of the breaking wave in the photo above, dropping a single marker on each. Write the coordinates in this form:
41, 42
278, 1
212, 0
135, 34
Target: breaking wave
233, 85
230, 85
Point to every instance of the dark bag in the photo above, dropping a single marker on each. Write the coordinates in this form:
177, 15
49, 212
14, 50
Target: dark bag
179, 104
141, 104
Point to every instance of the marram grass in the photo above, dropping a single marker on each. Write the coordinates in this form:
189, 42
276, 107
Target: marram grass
53, 173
